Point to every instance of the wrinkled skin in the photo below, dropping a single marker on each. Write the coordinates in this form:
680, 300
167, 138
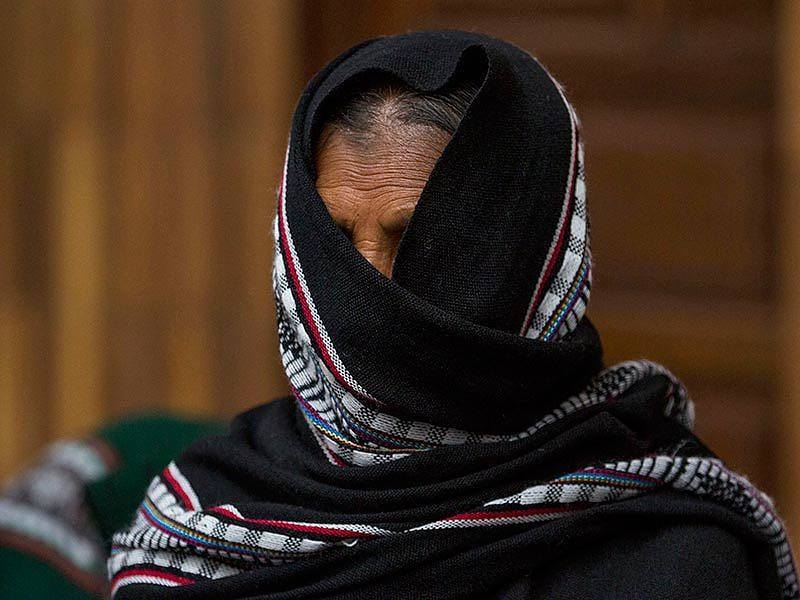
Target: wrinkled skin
371, 187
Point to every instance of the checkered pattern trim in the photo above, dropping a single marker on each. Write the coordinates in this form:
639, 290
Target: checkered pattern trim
352, 432
190, 545
284, 245
562, 290
148, 576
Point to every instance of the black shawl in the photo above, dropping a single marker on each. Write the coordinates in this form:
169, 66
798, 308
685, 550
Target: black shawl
451, 430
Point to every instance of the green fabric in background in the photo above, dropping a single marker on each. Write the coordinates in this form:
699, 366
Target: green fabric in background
145, 445
25, 576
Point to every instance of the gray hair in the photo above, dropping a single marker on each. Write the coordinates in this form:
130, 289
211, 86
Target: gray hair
379, 106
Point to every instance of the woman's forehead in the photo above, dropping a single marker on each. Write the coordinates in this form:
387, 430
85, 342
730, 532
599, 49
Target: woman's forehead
382, 180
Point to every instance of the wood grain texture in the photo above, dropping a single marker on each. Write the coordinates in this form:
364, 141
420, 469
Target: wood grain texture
787, 422
140, 148
78, 284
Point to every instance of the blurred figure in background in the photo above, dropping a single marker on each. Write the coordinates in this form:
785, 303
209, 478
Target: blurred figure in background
57, 517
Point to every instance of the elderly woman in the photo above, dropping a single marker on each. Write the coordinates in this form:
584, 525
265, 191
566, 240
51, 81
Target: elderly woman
452, 432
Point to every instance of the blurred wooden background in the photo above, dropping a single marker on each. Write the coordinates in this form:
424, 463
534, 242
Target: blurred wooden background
140, 145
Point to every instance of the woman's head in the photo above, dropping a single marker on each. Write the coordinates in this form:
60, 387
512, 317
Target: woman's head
376, 149
489, 172
496, 252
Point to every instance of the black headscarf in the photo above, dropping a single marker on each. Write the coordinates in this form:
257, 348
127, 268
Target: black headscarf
448, 424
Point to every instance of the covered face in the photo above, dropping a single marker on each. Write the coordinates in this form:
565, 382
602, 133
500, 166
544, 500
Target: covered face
375, 153
469, 316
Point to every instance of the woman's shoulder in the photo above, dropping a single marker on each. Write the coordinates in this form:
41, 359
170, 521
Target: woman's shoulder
663, 562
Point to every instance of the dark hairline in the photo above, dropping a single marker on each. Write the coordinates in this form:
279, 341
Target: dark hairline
379, 105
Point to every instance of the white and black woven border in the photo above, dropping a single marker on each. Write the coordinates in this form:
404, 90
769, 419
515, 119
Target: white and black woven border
220, 542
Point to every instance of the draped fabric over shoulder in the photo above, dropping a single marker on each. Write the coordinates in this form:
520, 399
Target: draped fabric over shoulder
451, 429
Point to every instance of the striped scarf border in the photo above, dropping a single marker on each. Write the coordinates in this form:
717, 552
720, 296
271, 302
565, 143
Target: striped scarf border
561, 294
169, 544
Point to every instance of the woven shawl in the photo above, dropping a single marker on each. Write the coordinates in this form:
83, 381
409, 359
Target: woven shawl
448, 417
